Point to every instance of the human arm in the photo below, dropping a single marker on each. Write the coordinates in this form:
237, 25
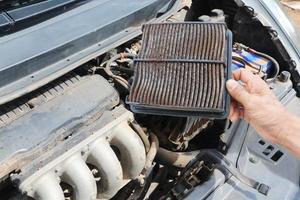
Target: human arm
256, 104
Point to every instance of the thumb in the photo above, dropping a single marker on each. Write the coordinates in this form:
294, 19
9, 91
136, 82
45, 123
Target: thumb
237, 91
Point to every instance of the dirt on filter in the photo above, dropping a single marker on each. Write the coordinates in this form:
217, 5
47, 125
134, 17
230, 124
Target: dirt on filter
293, 13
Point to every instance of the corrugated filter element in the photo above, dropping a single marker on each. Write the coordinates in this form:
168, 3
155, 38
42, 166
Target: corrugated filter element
181, 70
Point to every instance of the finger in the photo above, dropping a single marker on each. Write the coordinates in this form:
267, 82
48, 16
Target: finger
234, 112
237, 91
243, 75
231, 110
235, 116
252, 82
233, 105
242, 114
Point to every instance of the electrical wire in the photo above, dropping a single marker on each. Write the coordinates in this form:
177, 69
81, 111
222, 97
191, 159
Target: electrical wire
276, 66
108, 71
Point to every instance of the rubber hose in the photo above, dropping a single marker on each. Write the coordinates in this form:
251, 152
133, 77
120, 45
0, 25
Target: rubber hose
176, 159
142, 134
277, 68
152, 151
107, 69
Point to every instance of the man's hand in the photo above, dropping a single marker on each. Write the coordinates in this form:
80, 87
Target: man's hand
256, 104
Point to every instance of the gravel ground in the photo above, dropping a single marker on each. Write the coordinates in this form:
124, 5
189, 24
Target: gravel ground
294, 14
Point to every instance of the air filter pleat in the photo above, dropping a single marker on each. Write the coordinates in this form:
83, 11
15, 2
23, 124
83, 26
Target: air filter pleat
183, 84
170, 45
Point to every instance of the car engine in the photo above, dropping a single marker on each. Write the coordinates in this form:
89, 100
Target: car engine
77, 138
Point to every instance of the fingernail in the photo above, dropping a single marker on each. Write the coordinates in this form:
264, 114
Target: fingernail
231, 84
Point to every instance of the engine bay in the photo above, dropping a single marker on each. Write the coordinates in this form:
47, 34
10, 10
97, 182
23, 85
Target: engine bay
86, 141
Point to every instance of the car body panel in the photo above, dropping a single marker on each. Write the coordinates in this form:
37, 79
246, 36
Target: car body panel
41, 53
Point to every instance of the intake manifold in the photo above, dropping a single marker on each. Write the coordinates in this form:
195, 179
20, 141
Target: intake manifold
116, 153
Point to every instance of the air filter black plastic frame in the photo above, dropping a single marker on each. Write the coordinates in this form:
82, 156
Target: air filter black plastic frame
182, 69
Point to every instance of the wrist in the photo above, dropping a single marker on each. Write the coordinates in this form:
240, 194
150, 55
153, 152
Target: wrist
289, 129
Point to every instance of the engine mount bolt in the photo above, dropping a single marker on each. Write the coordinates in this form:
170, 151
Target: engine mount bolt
284, 76
252, 160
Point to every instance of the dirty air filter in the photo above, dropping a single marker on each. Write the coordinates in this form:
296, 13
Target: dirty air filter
181, 70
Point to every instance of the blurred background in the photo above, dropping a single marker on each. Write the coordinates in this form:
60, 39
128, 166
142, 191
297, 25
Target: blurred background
293, 9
